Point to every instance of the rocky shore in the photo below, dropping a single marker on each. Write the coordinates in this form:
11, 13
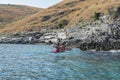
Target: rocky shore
99, 36
106, 38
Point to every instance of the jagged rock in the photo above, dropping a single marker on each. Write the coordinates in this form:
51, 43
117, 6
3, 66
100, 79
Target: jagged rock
103, 40
45, 18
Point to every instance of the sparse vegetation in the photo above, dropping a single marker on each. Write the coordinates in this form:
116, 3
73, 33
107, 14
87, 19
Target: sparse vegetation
62, 23
72, 10
97, 16
9, 14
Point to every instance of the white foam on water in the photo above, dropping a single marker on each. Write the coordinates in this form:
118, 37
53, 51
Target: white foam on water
114, 51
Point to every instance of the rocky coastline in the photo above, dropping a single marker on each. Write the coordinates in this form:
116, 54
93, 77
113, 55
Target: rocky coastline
98, 36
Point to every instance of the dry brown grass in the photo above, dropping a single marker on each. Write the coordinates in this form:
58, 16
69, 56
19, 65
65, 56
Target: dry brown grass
72, 10
10, 13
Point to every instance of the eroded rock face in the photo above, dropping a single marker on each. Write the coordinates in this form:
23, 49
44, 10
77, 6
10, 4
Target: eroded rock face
103, 39
99, 36
22, 38
31, 38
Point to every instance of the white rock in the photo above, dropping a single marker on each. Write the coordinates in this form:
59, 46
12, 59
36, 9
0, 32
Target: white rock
62, 35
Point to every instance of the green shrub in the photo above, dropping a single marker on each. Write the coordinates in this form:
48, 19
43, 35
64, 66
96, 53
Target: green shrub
62, 23
96, 16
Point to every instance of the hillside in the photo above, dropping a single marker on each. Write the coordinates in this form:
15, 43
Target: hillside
10, 13
74, 11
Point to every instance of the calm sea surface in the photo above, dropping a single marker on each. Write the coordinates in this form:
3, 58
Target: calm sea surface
36, 62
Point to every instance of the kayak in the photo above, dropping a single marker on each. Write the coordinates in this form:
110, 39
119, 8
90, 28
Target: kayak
56, 51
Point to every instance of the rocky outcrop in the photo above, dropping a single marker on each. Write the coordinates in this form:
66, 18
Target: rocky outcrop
22, 38
45, 18
86, 36
32, 37
107, 39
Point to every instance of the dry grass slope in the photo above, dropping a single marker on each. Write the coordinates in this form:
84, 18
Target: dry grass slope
72, 10
10, 13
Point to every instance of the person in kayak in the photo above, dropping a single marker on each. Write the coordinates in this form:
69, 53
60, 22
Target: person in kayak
62, 47
56, 46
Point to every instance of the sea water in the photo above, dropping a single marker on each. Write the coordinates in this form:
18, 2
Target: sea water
36, 62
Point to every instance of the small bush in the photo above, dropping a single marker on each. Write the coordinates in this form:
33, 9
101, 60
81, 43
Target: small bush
96, 16
62, 23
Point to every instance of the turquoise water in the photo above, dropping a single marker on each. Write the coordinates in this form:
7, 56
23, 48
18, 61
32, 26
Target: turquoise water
36, 62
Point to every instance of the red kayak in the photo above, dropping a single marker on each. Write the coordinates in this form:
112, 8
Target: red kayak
56, 51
